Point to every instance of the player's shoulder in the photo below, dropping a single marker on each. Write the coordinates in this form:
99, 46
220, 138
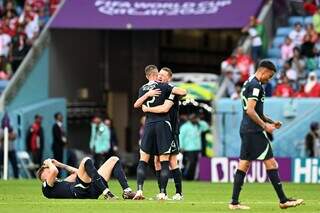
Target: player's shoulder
149, 86
253, 82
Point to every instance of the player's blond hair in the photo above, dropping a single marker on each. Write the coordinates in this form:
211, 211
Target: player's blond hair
40, 171
150, 69
168, 70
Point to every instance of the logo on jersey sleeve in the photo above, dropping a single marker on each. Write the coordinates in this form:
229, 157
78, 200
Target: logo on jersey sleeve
255, 92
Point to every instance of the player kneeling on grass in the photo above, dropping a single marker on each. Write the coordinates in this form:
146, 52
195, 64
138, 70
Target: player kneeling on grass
86, 182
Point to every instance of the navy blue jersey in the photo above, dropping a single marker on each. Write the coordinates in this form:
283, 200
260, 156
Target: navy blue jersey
60, 189
174, 113
252, 89
156, 101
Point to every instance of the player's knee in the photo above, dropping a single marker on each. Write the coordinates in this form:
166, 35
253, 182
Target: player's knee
85, 159
244, 166
271, 164
173, 164
157, 165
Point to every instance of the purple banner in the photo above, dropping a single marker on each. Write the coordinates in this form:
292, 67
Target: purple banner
155, 14
222, 169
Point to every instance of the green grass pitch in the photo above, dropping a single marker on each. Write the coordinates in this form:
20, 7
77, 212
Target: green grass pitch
25, 196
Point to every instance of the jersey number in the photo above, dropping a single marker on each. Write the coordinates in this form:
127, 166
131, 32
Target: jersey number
244, 100
151, 101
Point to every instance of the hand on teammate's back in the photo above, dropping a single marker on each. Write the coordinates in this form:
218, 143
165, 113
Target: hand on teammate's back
154, 93
269, 128
144, 108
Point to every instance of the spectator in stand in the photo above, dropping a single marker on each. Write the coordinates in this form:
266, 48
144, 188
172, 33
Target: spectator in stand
312, 141
308, 50
311, 31
54, 6
19, 48
10, 7
230, 65
312, 87
316, 20
297, 63
35, 140
307, 47
287, 49
230, 86
297, 34
291, 74
283, 88
5, 69
5, 42
245, 64
256, 40
310, 7
32, 29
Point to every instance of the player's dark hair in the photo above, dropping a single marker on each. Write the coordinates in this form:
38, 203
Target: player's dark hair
168, 70
40, 171
149, 69
267, 64
56, 115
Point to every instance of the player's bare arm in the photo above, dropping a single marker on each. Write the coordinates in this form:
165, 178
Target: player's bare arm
142, 99
255, 117
164, 108
60, 165
277, 124
53, 172
179, 91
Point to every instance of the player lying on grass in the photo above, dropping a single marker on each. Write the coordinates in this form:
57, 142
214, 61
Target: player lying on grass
86, 182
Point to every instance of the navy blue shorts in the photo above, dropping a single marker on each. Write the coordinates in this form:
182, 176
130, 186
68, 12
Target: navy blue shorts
157, 138
84, 190
255, 146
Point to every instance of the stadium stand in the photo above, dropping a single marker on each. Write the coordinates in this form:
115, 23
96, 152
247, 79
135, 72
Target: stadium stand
20, 25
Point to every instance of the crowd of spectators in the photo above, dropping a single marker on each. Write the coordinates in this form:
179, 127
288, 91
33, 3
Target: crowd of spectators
299, 65
20, 24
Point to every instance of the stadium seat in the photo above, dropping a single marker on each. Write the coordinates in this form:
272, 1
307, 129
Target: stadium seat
295, 19
274, 53
278, 41
283, 31
26, 164
307, 20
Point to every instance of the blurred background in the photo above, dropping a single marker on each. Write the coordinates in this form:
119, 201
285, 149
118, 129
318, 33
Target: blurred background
70, 71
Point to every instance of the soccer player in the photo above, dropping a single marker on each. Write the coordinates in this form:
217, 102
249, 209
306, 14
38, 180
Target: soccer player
171, 105
254, 142
86, 182
157, 137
